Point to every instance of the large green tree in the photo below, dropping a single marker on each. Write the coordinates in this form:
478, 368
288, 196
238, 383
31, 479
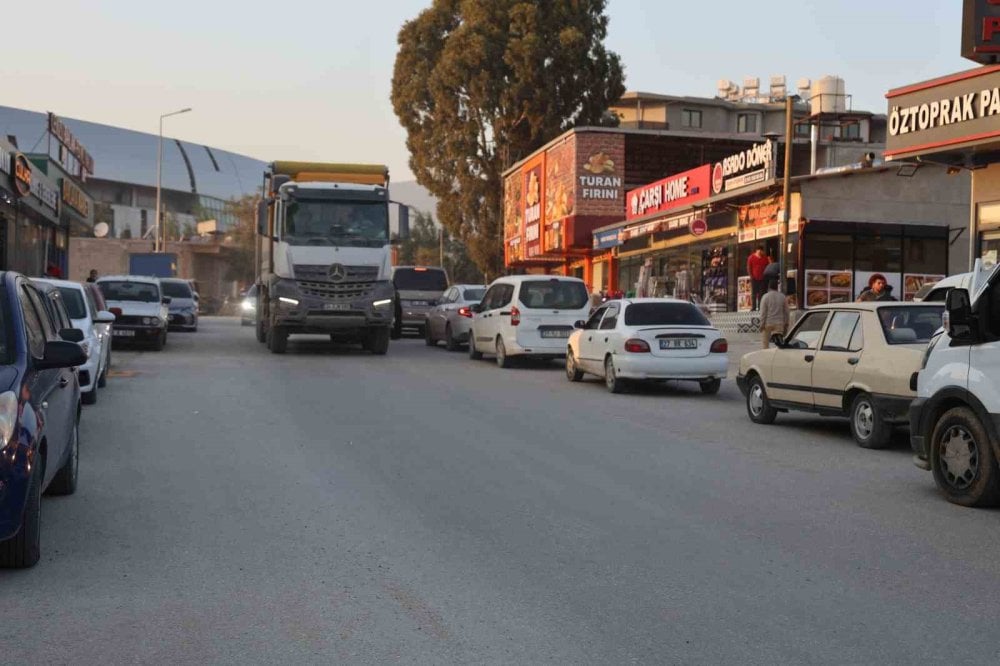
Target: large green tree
424, 247
480, 84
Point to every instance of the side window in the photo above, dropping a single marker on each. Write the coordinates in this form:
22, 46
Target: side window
840, 332
504, 297
595, 319
450, 295
487, 301
806, 335
610, 319
61, 318
858, 339
992, 297
32, 325
46, 313
91, 304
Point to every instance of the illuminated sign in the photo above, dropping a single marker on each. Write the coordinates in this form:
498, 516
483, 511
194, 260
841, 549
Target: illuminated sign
22, 174
62, 134
747, 167
74, 197
673, 192
981, 31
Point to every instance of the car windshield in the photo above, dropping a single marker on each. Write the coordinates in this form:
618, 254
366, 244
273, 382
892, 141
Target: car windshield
473, 294
73, 300
554, 294
176, 289
130, 291
910, 325
664, 314
420, 279
322, 222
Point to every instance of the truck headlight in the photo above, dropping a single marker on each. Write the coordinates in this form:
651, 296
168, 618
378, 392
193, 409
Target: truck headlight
288, 301
248, 305
8, 416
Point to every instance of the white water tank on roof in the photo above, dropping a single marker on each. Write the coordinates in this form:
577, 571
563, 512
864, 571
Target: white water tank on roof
828, 95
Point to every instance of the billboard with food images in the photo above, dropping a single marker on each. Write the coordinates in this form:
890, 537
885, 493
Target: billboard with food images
533, 183
560, 195
513, 219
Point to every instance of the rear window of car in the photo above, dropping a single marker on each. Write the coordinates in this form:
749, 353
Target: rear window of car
473, 294
664, 314
553, 295
176, 289
73, 300
910, 325
937, 295
420, 279
143, 292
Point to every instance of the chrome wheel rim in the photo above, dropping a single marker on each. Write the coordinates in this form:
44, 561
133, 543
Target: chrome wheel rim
609, 373
756, 399
570, 366
864, 420
959, 457
501, 353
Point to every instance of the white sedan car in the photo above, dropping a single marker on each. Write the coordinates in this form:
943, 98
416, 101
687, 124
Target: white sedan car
652, 339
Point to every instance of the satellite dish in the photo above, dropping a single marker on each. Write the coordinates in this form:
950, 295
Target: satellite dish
101, 229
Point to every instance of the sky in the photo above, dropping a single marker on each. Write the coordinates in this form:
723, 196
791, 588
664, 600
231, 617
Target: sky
311, 79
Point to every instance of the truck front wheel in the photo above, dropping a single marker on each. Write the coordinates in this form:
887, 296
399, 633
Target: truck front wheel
277, 339
378, 341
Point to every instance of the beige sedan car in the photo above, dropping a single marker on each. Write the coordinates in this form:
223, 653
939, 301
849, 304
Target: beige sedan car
852, 359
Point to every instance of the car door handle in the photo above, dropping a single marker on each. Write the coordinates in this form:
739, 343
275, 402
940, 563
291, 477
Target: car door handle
589, 338
45, 405
605, 339
853, 361
809, 358
504, 313
63, 383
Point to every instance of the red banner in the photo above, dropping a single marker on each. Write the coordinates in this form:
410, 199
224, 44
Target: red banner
670, 193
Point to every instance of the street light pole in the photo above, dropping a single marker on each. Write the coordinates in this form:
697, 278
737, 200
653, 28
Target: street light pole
786, 197
159, 226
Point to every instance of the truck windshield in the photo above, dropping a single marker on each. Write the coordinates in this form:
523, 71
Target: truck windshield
323, 222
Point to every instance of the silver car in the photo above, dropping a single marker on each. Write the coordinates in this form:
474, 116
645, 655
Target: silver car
449, 320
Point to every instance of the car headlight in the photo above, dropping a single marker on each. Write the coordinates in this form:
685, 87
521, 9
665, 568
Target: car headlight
86, 347
154, 321
146, 321
8, 416
248, 305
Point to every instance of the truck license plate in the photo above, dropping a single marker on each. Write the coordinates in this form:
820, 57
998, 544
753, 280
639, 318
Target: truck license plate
681, 343
336, 306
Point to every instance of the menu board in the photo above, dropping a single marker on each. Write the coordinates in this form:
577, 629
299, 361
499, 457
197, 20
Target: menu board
824, 287
744, 294
913, 282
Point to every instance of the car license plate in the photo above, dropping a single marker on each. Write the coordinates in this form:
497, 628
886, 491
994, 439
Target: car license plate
121, 332
679, 343
421, 303
336, 306
555, 334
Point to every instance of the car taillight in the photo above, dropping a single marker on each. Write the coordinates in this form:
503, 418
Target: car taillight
636, 346
515, 316
465, 312
720, 346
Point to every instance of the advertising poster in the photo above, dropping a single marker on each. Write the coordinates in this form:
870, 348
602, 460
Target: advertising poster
513, 218
744, 294
559, 195
914, 282
894, 280
534, 189
823, 287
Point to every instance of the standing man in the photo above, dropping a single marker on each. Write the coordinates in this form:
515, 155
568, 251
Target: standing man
774, 313
878, 290
756, 263
93, 275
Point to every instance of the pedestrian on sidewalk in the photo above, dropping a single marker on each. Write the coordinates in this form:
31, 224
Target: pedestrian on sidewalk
774, 313
93, 275
756, 264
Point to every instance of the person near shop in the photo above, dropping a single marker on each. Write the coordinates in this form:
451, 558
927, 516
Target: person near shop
92, 277
878, 289
757, 263
774, 313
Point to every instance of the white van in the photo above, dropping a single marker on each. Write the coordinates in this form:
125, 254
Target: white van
955, 419
527, 315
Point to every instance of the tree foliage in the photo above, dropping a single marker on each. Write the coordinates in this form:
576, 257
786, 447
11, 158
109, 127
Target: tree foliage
241, 238
423, 248
481, 84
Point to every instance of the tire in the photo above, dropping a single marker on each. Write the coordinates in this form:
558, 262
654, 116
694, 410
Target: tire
710, 386
573, 373
24, 548
397, 326
759, 408
614, 383
450, 343
261, 331
102, 381
161, 342
428, 337
65, 480
90, 397
474, 354
503, 361
870, 431
963, 461
277, 339
378, 341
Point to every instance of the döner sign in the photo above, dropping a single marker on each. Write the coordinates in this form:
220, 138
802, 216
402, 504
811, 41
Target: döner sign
744, 168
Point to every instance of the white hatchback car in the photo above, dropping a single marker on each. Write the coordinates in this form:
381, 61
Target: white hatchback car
528, 316
648, 339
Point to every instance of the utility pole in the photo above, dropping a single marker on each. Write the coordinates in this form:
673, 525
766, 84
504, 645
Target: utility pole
786, 197
159, 223
441, 246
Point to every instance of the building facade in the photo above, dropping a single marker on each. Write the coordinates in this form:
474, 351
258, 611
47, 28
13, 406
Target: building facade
33, 238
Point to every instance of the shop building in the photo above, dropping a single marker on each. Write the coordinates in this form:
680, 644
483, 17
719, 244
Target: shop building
33, 240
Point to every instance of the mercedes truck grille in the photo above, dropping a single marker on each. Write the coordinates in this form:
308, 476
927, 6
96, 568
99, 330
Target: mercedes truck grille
336, 273
345, 291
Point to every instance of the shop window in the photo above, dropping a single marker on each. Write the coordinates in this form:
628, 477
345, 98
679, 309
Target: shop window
878, 253
925, 255
802, 128
746, 123
829, 252
690, 118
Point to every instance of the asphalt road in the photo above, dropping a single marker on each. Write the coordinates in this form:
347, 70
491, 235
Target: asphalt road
328, 506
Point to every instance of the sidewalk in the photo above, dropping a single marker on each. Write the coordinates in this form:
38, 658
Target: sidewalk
740, 344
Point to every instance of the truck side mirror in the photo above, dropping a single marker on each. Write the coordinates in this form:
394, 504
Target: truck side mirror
404, 221
959, 310
262, 217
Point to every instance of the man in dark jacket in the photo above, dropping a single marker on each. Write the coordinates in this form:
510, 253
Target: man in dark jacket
878, 290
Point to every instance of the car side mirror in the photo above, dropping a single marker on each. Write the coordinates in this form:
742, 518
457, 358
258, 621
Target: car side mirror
579, 323
61, 354
778, 340
105, 317
959, 310
71, 334
166, 300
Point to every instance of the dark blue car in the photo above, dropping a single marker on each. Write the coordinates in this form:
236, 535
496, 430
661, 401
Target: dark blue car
39, 413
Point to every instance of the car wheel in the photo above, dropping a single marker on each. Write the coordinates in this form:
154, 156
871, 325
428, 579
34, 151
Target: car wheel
869, 429
450, 343
378, 341
614, 383
573, 373
102, 381
90, 397
277, 339
710, 386
65, 479
397, 326
759, 408
428, 338
161, 342
503, 361
261, 331
24, 548
474, 353
963, 461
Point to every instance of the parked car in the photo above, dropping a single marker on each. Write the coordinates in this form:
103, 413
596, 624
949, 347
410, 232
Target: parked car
850, 359
418, 289
97, 346
527, 316
248, 307
142, 305
450, 319
183, 309
39, 415
939, 292
955, 419
648, 339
